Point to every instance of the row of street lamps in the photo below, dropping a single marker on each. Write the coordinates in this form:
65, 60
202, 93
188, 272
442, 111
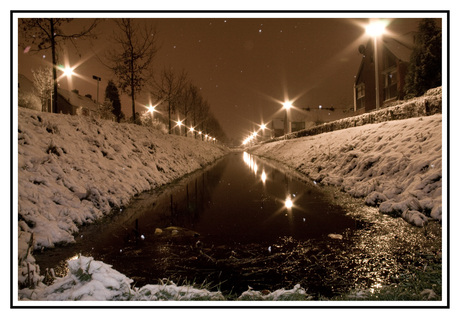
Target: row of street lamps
69, 71
286, 106
179, 123
375, 29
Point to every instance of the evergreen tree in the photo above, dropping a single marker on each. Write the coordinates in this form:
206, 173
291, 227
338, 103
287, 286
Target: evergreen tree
425, 66
111, 94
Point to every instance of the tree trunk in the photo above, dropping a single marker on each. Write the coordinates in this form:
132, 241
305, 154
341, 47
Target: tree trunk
53, 57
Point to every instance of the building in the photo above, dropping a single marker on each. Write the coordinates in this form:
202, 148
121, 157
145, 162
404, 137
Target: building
306, 117
393, 61
70, 102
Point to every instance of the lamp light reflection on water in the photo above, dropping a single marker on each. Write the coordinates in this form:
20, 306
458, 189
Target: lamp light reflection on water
288, 202
263, 176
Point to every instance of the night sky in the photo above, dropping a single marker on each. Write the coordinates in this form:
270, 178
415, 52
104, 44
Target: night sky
245, 67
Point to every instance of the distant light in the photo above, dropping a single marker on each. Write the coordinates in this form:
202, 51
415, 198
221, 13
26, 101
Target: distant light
320, 106
288, 203
192, 129
263, 126
199, 132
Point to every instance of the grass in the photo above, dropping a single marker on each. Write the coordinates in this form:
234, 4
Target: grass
419, 285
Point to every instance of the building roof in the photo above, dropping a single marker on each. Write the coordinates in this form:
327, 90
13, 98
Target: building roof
78, 100
401, 46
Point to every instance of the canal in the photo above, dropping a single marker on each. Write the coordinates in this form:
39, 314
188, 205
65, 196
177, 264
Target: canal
239, 223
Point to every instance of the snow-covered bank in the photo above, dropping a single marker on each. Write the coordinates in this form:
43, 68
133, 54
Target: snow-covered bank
91, 280
395, 165
73, 170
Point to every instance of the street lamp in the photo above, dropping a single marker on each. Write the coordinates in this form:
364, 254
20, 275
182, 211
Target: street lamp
287, 106
68, 71
98, 79
376, 29
179, 123
151, 109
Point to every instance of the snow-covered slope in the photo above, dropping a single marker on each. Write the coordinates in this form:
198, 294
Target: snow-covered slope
73, 170
396, 165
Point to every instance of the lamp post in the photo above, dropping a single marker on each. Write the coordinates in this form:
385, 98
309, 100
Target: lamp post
376, 29
287, 124
151, 109
98, 79
67, 72
179, 123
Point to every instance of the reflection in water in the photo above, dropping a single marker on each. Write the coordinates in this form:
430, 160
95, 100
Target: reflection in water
240, 207
288, 202
263, 177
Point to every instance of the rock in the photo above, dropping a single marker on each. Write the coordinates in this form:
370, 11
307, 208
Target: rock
335, 236
176, 232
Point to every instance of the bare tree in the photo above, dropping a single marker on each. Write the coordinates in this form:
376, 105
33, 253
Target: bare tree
131, 60
169, 89
40, 34
43, 84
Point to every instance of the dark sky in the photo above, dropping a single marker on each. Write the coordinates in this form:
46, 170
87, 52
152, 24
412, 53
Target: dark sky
245, 67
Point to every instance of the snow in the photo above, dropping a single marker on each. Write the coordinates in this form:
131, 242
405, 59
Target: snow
74, 170
395, 165
91, 280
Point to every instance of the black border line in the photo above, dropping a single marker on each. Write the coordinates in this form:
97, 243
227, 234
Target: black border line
238, 306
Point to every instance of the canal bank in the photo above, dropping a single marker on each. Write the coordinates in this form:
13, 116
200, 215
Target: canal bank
74, 170
396, 166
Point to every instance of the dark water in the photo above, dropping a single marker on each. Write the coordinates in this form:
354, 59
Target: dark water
230, 225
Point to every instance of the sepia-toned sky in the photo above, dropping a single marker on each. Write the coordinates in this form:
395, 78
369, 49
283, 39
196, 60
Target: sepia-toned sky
245, 66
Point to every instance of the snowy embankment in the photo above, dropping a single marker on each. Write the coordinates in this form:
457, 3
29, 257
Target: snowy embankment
91, 280
395, 165
74, 170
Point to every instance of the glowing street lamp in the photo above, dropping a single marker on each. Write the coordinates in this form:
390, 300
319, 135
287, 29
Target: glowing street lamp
376, 29
179, 123
68, 71
287, 106
151, 108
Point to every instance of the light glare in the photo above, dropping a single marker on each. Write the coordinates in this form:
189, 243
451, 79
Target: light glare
376, 28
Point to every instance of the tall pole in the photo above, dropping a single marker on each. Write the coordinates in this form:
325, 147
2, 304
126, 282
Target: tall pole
53, 58
376, 64
98, 79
